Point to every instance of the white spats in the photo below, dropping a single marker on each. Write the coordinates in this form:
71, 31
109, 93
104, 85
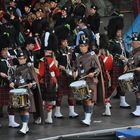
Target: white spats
24, 128
137, 111
87, 119
107, 110
38, 120
57, 113
123, 103
72, 113
12, 122
49, 117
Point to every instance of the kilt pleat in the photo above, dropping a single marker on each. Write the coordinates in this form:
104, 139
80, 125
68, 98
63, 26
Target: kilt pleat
64, 84
4, 96
116, 72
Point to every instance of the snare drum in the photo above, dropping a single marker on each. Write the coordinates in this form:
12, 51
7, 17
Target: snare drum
126, 82
19, 98
80, 90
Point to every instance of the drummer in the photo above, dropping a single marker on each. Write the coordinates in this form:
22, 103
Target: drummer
86, 66
23, 76
5, 65
136, 55
64, 58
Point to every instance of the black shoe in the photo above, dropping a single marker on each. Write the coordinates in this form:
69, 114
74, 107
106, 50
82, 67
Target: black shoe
21, 133
72, 117
14, 127
125, 107
85, 124
62, 117
133, 115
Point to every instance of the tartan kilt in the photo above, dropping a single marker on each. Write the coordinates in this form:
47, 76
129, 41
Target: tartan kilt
64, 84
116, 72
48, 94
4, 96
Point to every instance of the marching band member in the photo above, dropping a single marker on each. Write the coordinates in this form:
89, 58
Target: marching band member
86, 65
4, 79
136, 55
106, 61
118, 51
23, 76
64, 58
28, 50
32, 60
49, 73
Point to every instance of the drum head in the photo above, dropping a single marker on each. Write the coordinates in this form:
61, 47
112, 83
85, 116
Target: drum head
126, 76
78, 83
19, 91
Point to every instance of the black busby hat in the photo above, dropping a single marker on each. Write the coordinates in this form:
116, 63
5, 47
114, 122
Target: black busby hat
115, 24
136, 37
62, 32
104, 41
51, 42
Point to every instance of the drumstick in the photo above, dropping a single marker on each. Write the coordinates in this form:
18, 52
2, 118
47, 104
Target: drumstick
26, 85
131, 70
83, 77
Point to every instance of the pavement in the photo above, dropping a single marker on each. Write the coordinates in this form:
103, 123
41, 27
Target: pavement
69, 127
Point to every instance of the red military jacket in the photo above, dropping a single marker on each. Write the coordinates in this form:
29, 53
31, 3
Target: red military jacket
53, 68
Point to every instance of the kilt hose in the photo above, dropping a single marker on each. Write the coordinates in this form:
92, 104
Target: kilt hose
4, 96
116, 72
